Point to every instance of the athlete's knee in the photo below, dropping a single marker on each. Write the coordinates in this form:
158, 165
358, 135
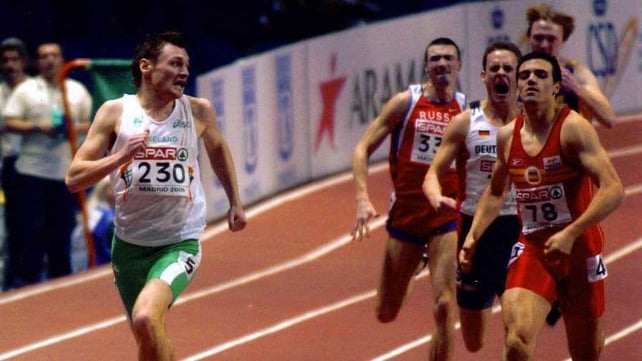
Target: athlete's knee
144, 323
443, 310
518, 346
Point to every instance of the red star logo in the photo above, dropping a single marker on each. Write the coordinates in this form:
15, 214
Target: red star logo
329, 94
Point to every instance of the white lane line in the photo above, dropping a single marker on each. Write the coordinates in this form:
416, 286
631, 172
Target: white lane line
630, 118
634, 189
281, 267
62, 337
289, 322
282, 325
626, 151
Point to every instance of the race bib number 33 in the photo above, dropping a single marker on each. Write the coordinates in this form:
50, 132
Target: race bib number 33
428, 135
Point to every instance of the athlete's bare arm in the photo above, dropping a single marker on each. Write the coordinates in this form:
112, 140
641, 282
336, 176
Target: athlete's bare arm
452, 143
580, 142
584, 84
90, 164
220, 158
392, 114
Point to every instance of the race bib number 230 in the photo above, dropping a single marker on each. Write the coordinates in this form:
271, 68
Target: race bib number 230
162, 170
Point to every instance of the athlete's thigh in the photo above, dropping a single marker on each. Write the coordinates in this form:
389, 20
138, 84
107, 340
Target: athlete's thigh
442, 262
156, 297
177, 265
583, 291
130, 266
400, 262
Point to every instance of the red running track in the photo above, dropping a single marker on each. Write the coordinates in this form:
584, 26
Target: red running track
293, 287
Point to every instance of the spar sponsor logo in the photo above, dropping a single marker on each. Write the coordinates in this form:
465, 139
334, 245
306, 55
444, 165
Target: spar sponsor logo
162, 153
551, 193
431, 128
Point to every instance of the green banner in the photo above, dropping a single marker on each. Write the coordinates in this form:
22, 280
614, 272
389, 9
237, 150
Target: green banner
111, 79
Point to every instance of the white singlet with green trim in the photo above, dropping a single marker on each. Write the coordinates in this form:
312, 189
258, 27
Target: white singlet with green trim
159, 195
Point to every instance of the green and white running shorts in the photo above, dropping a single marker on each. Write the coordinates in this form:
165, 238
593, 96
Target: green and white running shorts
134, 266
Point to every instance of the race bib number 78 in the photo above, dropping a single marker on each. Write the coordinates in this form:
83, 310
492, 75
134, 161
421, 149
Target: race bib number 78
542, 207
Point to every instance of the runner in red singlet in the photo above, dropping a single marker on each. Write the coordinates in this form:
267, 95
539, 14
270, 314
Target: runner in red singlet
415, 120
554, 158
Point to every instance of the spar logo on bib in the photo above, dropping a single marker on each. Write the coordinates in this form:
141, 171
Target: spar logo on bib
161, 153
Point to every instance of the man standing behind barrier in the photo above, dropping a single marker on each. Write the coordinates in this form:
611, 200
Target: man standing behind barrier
13, 55
470, 141
415, 120
152, 144
554, 158
580, 90
47, 211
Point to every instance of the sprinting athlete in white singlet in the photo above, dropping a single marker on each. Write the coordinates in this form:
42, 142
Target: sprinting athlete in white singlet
469, 141
152, 140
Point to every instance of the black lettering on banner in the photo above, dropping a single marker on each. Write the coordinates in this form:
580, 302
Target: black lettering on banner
372, 89
602, 49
